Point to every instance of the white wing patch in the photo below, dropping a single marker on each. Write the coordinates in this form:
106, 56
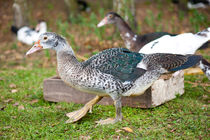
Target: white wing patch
142, 65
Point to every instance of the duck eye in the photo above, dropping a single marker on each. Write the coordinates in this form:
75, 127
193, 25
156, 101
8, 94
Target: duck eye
45, 38
110, 16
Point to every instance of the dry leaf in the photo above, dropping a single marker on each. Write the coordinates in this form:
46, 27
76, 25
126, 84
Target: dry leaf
16, 104
20, 68
84, 137
34, 101
118, 130
21, 107
8, 100
12, 85
6, 127
14, 90
59, 107
14, 117
127, 129
205, 105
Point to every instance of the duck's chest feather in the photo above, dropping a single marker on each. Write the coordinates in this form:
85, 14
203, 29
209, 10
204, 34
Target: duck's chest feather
85, 78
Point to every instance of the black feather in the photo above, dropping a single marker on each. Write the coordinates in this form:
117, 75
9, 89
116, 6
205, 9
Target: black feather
14, 29
192, 60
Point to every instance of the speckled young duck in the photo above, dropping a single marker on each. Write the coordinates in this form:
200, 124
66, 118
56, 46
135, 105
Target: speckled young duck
132, 41
114, 72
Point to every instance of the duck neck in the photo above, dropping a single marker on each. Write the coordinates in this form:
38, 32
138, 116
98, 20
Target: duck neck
43, 30
126, 33
67, 64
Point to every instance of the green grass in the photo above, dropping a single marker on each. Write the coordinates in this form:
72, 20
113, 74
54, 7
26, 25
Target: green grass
185, 117
197, 19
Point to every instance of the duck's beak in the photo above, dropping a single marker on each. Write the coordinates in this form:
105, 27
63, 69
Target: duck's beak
35, 48
103, 22
37, 28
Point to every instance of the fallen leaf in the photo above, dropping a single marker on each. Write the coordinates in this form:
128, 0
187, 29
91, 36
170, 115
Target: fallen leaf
59, 107
12, 85
34, 101
21, 107
8, 100
14, 90
84, 137
14, 117
173, 130
7, 127
127, 129
205, 96
205, 105
16, 104
140, 129
20, 68
119, 130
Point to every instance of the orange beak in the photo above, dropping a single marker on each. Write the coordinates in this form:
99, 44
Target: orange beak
35, 48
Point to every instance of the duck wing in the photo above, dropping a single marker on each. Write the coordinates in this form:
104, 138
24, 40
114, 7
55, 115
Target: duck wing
170, 62
119, 62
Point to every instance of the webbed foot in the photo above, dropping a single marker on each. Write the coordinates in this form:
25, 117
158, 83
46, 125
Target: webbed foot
108, 121
78, 114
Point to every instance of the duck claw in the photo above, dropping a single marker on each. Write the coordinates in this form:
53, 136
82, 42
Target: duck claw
79, 114
107, 121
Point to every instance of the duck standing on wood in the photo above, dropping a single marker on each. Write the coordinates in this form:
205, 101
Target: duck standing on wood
113, 72
160, 42
28, 35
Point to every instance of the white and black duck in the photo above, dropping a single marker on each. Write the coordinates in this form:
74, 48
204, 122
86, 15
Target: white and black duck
114, 72
186, 43
194, 4
160, 42
29, 35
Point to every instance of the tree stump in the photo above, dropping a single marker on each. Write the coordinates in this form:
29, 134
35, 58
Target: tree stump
126, 8
20, 9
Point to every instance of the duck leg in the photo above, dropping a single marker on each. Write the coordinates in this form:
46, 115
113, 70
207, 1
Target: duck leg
78, 114
118, 107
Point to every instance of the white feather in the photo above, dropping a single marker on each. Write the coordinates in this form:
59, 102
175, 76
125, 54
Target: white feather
29, 36
186, 43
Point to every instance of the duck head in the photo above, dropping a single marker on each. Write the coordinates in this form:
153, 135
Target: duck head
41, 27
49, 40
110, 18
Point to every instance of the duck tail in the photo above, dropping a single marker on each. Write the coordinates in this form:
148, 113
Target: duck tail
205, 67
205, 46
14, 29
192, 60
